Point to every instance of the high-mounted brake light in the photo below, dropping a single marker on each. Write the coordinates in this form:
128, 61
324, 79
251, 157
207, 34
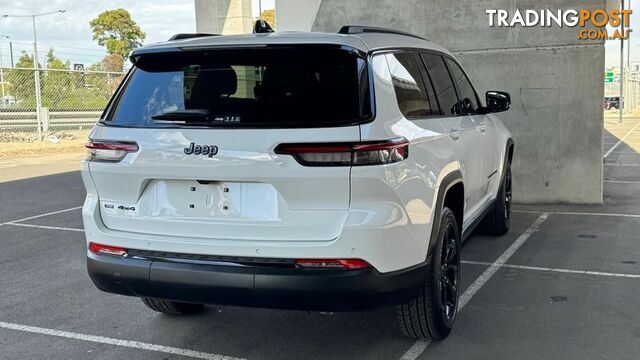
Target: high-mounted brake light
106, 249
109, 151
350, 264
347, 154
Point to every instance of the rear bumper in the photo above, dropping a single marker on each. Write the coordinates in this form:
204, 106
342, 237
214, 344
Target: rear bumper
377, 230
254, 286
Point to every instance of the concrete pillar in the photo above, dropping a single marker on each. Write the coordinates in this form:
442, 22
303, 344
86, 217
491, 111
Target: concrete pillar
296, 15
556, 81
223, 16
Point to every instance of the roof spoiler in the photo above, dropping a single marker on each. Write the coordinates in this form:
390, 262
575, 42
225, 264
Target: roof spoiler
190, 36
360, 29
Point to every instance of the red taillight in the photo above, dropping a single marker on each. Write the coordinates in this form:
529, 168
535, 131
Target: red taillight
347, 154
106, 249
109, 151
351, 264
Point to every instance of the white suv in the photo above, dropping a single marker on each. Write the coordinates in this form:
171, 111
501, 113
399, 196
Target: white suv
291, 170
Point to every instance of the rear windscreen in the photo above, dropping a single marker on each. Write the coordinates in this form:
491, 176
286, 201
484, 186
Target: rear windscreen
301, 86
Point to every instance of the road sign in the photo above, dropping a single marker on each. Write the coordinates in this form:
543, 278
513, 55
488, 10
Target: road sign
78, 67
608, 77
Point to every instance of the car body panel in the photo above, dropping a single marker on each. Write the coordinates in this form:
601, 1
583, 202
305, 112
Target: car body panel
383, 214
268, 197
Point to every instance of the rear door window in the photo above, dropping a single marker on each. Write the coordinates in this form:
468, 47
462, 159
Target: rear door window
466, 94
442, 83
411, 91
302, 86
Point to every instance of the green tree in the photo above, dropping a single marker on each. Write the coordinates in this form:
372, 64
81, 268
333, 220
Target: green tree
58, 86
55, 63
113, 63
22, 81
25, 61
117, 31
110, 63
103, 85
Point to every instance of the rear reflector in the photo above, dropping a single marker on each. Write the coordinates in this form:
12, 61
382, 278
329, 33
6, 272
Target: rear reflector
109, 151
347, 154
333, 263
105, 249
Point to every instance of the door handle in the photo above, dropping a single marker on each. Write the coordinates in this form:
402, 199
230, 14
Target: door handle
454, 134
483, 128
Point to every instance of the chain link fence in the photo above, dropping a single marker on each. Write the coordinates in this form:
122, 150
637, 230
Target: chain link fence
45, 101
631, 95
631, 98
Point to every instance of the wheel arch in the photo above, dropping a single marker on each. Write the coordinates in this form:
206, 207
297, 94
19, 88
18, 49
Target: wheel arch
510, 147
508, 157
451, 193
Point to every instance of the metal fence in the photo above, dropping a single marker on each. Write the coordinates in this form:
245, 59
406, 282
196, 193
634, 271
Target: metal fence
53, 100
631, 89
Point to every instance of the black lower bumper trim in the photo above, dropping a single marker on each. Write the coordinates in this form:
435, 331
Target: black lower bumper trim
270, 287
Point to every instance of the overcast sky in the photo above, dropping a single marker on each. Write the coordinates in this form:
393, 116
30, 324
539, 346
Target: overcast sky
613, 46
69, 33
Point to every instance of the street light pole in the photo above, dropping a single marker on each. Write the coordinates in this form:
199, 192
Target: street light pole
36, 75
622, 102
2, 73
629, 38
36, 72
2, 37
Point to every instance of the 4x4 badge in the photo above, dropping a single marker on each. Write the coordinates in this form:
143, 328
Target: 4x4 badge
194, 149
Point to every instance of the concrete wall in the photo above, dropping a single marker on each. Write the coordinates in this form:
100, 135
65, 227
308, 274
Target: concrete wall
556, 81
223, 16
296, 15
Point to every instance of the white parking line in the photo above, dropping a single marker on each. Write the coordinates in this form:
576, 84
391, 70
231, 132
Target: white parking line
620, 141
117, 342
502, 259
621, 182
43, 215
415, 350
618, 164
625, 152
44, 227
577, 213
558, 270
420, 346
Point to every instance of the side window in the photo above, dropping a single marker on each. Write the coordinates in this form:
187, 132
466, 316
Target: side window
409, 87
468, 98
430, 91
442, 84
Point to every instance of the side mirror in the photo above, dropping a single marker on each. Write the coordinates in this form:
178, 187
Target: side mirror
498, 101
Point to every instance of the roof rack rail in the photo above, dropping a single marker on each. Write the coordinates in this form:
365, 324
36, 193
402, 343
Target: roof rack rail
190, 36
359, 29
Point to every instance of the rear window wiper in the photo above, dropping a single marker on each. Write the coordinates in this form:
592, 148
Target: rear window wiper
191, 115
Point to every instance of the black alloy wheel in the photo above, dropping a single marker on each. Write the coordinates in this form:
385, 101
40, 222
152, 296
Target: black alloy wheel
507, 195
450, 274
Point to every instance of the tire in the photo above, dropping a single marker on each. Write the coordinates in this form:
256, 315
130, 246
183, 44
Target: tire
172, 307
498, 220
431, 314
